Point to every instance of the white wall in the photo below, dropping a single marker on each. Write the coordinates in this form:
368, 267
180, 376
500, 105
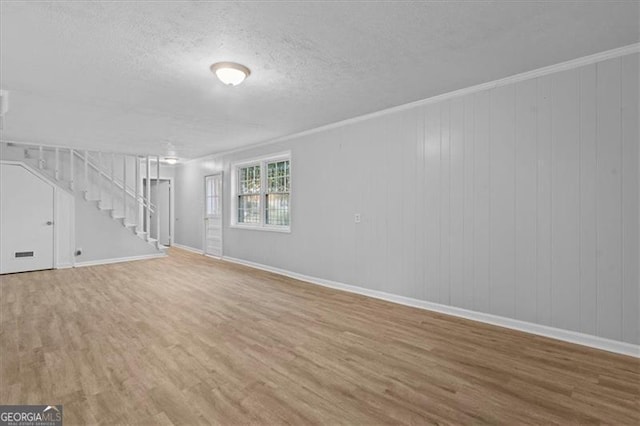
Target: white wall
103, 239
519, 201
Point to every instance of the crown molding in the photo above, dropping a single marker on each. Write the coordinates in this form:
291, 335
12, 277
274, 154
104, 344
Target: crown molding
539, 72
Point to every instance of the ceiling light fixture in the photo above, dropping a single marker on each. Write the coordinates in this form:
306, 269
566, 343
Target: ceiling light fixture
171, 160
230, 73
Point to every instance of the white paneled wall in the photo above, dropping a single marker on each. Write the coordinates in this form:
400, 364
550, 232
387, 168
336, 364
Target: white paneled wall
519, 201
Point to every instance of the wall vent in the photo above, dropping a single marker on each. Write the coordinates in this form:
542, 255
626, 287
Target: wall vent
24, 254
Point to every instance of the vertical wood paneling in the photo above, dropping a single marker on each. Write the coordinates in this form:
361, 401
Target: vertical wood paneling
361, 182
335, 262
421, 203
565, 199
445, 204
543, 249
468, 282
456, 162
381, 190
630, 213
526, 197
345, 260
521, 200
502, 202
397, 277
588, 200
373, 206
482, 170
306, 205
609, 213
409, 265
432, 202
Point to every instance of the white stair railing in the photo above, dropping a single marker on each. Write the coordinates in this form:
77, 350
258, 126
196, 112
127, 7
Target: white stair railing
158, 197
110, 184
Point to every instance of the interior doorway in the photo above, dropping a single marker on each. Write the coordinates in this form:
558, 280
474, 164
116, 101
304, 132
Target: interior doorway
213, 215
162, 198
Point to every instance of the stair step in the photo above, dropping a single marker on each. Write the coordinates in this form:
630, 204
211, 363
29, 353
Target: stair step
129, 225
117, 217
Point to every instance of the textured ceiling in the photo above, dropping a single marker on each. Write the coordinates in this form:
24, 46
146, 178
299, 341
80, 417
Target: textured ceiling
134, 76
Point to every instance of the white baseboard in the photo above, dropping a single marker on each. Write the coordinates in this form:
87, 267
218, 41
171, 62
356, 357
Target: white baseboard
64, 266
119, 259
196, 251
528, 327
187, 248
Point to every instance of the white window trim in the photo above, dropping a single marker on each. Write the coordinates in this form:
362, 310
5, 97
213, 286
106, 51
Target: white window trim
261, 226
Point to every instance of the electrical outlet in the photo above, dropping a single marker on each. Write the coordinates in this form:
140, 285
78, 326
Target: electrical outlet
356, 217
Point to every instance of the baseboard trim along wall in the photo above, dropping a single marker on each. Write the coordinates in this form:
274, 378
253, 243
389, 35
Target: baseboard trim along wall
541, 330
64, 266
187, 248
119, 259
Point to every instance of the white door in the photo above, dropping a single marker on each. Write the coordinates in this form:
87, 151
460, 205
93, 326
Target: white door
161, 196
213, 215
26, 220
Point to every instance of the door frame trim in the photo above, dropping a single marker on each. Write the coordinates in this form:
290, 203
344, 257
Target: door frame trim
171, 203
204, 215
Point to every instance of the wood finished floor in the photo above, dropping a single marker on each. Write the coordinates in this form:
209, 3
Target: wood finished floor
191, 340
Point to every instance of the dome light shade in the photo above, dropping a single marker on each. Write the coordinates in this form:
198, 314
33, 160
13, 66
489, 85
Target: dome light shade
230, 73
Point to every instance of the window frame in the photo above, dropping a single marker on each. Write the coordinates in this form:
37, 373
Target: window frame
262, 162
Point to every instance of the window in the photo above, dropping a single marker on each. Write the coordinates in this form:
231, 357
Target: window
249, 194
262, 192
277, 193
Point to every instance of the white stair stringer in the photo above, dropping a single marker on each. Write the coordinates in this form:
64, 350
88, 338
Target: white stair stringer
67, 173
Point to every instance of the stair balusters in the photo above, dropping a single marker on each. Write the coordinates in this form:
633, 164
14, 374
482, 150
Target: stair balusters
100, 175
157, 209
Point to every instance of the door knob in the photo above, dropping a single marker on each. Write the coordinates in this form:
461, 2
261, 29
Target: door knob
49, 223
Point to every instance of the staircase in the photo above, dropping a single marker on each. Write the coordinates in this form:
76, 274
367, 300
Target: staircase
112, 182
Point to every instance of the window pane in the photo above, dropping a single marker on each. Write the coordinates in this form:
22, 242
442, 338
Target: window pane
215, 206
249, 209
209, 206
278, 176
277, 209
256, 179
249, 180
271, 184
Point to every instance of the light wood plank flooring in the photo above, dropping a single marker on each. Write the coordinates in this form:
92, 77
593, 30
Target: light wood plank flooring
191, 340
